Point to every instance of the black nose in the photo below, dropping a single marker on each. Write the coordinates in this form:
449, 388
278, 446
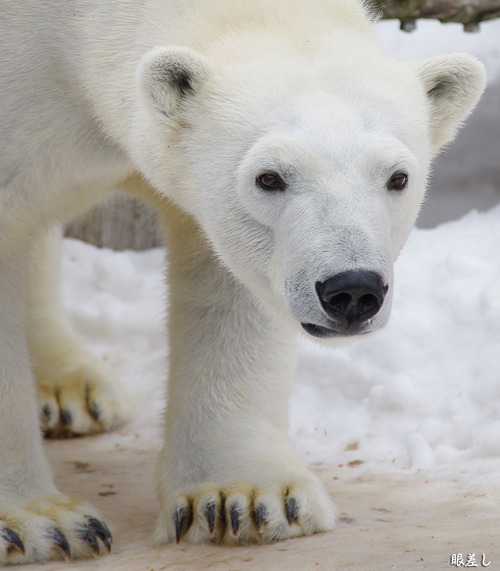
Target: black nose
352, 297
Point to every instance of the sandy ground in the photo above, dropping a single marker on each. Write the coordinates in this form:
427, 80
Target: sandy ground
389, 521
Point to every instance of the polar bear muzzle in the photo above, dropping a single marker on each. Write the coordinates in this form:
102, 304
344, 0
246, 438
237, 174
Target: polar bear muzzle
349, 299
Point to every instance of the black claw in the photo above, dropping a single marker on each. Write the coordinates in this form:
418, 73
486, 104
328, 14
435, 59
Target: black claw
291, 510
180, 519
86, 533
60, 540
102, 532
235, 519
210, 515
260, 517
66, 418
95, 411
12, 539
46, 411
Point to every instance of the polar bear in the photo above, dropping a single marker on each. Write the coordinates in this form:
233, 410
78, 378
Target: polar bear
288, 154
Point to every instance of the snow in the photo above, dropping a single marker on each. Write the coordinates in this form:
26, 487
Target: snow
116, 301
425, 390
421, 395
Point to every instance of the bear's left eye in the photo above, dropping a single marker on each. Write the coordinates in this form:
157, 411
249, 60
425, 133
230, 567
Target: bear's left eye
270, 181
398, 181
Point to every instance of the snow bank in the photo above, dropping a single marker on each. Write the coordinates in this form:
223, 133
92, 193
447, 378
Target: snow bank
425, 391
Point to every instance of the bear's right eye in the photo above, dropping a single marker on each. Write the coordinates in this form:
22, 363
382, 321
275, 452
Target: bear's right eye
270, 181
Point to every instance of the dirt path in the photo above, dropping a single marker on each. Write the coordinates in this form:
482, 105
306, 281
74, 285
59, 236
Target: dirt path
388, 521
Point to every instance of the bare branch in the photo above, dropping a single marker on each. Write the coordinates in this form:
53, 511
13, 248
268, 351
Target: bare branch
466, 12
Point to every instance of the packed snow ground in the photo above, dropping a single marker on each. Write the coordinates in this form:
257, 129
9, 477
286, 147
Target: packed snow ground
423, 393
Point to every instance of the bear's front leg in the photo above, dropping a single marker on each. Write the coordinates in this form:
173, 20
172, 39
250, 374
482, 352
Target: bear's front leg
227, 471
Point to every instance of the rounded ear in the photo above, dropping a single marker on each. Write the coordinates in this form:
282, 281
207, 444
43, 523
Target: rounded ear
454, 84
169, 75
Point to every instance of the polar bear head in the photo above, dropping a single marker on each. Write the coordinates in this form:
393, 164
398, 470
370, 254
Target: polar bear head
305, 166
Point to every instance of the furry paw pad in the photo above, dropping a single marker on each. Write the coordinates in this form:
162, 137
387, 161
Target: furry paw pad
54, 527
241, 513
78, 400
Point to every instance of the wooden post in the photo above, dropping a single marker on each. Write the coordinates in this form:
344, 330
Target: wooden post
118, 222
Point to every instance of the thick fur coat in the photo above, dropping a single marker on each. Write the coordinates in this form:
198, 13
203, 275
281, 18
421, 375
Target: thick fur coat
288, 155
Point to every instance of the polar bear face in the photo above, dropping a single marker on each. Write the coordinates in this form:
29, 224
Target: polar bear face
306, 173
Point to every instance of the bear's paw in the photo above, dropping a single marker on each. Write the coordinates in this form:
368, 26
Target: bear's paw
76, 397
240, 512
55, 527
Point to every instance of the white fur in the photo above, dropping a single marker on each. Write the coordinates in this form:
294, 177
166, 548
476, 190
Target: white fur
198, 98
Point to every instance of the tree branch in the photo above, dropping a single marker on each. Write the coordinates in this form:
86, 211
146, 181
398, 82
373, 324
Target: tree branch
466, 12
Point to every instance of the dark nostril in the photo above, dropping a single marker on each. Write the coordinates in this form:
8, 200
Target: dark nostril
352, 296
340, 302
368, 302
